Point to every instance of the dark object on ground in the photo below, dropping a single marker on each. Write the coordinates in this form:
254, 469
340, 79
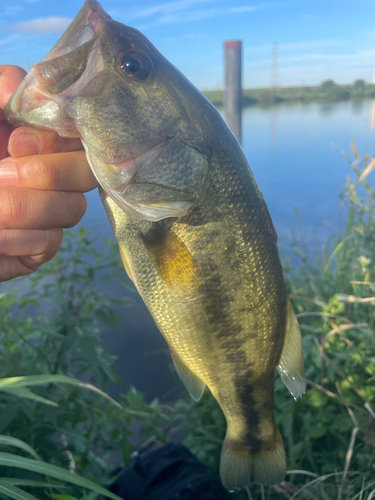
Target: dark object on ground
169, 473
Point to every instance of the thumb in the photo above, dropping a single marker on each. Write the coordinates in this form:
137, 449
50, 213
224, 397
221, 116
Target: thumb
10, 78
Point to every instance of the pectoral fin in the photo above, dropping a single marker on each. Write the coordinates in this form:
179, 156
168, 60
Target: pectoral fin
174, 262
193, 384
291, 367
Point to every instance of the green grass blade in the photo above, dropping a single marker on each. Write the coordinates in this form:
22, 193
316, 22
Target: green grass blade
11, 383
62, 497
14, 382
354, 149
22, 392
13, 492
32, 483
10, 460
337, 249
11, 441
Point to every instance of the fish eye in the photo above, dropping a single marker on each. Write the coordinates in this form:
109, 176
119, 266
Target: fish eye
135, 66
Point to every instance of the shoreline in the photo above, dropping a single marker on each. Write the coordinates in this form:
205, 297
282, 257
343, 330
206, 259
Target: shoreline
328, 91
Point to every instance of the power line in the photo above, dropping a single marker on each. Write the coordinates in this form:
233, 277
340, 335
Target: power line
274, 77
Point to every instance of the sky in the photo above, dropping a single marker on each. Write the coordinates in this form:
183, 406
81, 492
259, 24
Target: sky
316, 39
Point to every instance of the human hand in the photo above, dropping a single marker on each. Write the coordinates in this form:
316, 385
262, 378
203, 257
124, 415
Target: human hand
41, 189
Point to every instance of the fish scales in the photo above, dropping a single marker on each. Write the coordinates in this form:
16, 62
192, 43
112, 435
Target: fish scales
194, 231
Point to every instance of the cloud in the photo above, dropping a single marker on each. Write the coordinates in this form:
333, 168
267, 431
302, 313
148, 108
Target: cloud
188, 16
245, 8
312, 68
9, 40
11, 10
353, 59
178, 16
167, 8
43, 25
303, 46
182, 11
186, 36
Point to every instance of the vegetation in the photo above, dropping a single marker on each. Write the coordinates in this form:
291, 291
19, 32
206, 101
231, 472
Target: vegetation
328, 91
50, 325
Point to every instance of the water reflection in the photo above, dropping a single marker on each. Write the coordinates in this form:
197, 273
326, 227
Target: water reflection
357, 106
372, 115
273, 126
326, 109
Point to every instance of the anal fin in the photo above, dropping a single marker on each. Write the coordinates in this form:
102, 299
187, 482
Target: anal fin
193, 384
291, 367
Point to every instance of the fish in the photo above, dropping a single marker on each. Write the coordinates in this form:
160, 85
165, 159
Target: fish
193, 229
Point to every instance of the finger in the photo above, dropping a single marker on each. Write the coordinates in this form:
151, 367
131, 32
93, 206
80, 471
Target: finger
55, 172
10, 78
30, 243
11, 267
26, 141
4, 138
23, 252
23, 208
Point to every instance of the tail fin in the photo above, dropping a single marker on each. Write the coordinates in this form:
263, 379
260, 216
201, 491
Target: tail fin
239, 468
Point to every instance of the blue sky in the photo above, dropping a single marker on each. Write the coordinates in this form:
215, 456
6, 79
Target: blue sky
317, 39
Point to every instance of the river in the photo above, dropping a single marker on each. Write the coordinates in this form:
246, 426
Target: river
293, 150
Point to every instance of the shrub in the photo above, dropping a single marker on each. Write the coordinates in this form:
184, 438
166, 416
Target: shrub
328, 85
359, 84
51, 324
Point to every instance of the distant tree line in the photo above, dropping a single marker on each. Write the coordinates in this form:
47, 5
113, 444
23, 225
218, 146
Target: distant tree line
328, 91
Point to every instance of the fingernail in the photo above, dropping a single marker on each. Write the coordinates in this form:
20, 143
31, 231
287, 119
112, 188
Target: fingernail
23, 145
8, 173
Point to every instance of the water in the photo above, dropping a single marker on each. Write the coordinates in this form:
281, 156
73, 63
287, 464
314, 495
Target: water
293, 152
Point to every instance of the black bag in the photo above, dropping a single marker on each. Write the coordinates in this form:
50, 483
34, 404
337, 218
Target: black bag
169, 473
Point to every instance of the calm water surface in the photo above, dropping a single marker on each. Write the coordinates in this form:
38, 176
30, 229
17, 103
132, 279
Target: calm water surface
293, 152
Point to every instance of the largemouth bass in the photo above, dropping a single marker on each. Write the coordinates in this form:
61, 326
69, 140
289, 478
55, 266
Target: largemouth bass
194, 231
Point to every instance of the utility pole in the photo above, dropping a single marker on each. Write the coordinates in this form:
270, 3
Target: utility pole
233, 86
274, 78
